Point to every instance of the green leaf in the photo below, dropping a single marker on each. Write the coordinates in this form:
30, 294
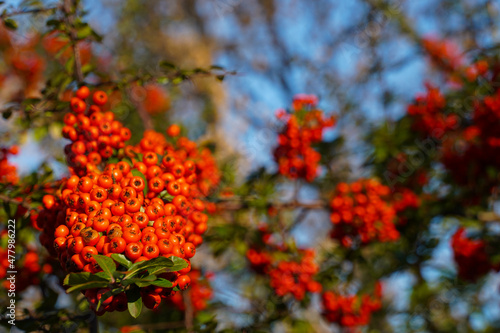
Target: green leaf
217, 67
166, 196
137, 173
134, 301
40, 132
172, 264
161, 282
6, 114
97, 37
167, 65
121, 259
141, 282
84, 32
78, 278
88, 285
107, 264
53, 22
10, 23
204, 317
70, 64
87, 68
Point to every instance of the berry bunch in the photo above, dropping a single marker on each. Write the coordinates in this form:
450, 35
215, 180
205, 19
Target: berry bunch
428, 114
95, 135
146, 205
56, 45
295, 277
351, 310
31, 263
154, 98
8, 172
363, 210
259, 260
443, 53
476, 148
447, 56
470, 256
468, 148
404, 199
304, 126
291, 272
205, 174
199, 292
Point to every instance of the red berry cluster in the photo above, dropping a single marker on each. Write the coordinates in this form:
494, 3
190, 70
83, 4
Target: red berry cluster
304, 126
447, 56
8, 172
95, 135
114, 303
363, 210
471, 147
31, 265
470, 256
144, 206
351, 310
199, 292
295, 277
206, 174
428, 114
443, 53
404, 199
291, 272
259, 260
474, 150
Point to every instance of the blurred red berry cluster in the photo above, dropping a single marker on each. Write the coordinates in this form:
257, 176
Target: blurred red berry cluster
304, 126
363, 211
351, 310
8, 172
470, 256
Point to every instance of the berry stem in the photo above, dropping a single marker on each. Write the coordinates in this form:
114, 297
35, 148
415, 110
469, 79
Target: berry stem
93, 324
188, 314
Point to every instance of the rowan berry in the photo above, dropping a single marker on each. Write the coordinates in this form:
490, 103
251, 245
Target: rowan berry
173, 130
118, 245
183, 282
150, 250
99, 98
77, 105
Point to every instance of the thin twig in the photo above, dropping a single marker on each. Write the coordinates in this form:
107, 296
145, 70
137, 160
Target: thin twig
69, 19
28, 11
22, 203
240, 204
159, 326
93, 325
188, 313
174, 75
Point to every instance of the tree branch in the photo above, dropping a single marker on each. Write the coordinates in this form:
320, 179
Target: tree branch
22, 203
29, 11
188, 313
232, 204
69, 19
